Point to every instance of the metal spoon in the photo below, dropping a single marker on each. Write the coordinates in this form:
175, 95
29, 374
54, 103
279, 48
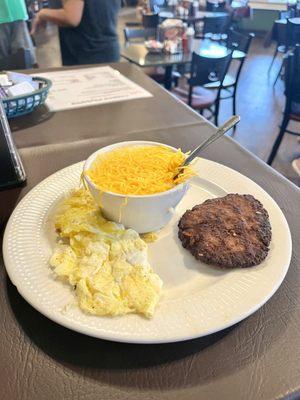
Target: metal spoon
219, 132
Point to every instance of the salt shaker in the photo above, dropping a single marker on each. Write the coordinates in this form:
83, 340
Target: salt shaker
190, 33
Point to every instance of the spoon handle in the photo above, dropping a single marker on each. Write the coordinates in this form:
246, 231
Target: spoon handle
220, 132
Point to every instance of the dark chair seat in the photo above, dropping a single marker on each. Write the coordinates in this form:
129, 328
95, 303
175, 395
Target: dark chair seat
201, 99
295, 117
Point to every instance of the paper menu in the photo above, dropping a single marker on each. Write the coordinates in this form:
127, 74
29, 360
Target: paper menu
76, 88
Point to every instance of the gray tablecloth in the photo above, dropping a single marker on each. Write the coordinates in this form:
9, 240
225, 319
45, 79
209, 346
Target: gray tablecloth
256, 359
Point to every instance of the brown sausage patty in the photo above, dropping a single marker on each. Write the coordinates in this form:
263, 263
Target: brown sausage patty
232, 231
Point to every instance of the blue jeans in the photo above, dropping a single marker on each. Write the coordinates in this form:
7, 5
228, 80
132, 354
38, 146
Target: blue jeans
15, 36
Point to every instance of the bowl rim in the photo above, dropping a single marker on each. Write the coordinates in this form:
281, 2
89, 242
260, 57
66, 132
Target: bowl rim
93, 156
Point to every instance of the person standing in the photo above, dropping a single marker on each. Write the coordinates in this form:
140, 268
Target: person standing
14, 34
87, 30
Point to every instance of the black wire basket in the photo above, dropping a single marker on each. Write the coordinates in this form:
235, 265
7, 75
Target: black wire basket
25, 104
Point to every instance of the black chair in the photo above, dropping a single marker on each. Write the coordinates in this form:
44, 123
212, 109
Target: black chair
19, 60
214, 6
150, 24
134, 35
292, 102
204, 70
216, 25
292, 32
279, 34
291, 38
150, 20
235, 41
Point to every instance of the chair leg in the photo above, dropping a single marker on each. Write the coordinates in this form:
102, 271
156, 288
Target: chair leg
168, 77
234, 107
176, 81
278, 75
273, 59
217, 106
278, 140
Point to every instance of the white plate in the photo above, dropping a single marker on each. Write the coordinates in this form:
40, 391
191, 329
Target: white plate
197, 299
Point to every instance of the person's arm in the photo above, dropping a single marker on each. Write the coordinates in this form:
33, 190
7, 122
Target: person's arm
70, 15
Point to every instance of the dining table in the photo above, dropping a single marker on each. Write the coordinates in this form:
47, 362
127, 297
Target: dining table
278, 30
190, 19
138, 54
258, 358
283, 21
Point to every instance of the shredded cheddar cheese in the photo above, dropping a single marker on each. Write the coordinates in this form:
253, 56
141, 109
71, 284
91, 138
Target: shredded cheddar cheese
139, 170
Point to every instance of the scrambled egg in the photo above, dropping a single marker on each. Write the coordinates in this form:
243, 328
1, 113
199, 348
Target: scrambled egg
105, 263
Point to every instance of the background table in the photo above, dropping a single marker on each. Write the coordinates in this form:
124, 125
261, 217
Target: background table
200, 16
279, 30
139, 55
40, 360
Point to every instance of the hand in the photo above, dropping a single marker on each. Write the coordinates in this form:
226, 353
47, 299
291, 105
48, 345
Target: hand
38, 22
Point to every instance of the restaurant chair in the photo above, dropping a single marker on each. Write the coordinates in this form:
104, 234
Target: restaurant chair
238, 13
215, 6
292, 100
133, 35
203, 71
138, 34
236, 41
150, 20
291, 38
215, 25
150, 24
19, 60
292, 32
279, 34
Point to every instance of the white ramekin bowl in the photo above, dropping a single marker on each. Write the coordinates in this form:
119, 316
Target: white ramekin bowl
143, 213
